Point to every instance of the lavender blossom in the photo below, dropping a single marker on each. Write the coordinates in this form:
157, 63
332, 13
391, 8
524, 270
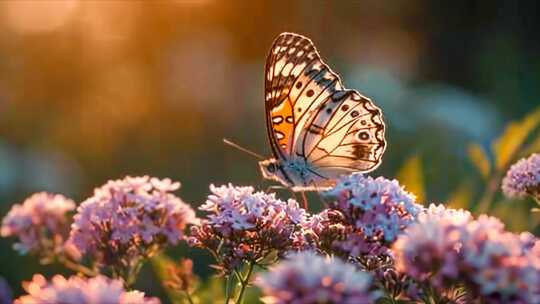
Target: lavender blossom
371, 212
75, 289
247, 226
523, 178
40, 223
130, 219
500, 266
431, 247
446, 247
306, 277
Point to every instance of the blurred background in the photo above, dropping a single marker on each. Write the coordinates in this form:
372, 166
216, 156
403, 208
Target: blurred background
94, 90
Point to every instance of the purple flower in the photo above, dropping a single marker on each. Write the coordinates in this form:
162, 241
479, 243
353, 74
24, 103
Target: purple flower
431, 247
246, 226
76, 289
306, 277
446, 247
130, 219
367, 214
500, 265
39, 222
523, 178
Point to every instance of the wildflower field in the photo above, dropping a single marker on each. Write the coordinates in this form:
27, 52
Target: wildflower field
372, 243
116, 187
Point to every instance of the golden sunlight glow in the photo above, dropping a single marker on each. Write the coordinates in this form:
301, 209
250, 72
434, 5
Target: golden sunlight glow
37, 16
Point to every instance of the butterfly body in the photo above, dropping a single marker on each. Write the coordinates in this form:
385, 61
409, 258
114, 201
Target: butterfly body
318, 129
296, 174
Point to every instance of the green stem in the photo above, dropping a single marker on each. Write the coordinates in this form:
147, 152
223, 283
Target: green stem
134, 272
536, 199
244, 283
489, 193
188, 297
228, 289
76, 267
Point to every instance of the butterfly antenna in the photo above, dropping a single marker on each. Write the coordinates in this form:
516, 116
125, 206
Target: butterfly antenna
230, 143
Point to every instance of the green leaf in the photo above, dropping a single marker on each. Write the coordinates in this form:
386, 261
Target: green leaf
479, 159
212, 290
411, 176
507, 145
462, 196
533, 147
516, 216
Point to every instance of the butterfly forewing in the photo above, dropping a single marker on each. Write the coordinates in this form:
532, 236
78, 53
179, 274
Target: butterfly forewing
310, 115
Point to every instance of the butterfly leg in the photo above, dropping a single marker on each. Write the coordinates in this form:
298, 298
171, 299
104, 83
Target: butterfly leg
304, 200
274, 187
321, 197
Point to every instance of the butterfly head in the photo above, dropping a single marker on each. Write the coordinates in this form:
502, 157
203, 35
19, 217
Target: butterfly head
272, 169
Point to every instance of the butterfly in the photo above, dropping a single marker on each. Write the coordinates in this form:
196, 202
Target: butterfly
318, 129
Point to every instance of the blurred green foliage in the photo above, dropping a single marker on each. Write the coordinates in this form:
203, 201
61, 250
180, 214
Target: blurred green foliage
411, 176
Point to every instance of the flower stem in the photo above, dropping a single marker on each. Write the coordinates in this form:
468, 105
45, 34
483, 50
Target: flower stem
244, 281
188, 297
537, 200
132, 273
76, 267
228, 289
489, 193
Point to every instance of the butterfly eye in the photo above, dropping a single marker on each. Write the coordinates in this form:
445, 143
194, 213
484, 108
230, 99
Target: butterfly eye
271, 168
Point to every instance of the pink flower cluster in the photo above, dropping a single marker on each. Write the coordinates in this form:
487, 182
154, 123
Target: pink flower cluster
447, 246
39, 222
365, 215
78, 290
246, 226
306, 277
130, 218
523, 178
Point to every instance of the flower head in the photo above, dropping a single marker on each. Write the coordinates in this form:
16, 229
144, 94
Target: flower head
75, 289
40, 221
431, 246
244, 225
369, 213
500, 265
306, 277
523, 178
130, 218
448, 246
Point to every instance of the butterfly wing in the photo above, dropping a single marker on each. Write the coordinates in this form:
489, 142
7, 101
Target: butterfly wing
311, 116
288, 59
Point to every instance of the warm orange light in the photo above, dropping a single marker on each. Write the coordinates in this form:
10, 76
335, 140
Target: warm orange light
37, 16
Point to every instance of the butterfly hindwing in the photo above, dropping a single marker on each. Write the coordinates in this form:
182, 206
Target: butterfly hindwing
353, 137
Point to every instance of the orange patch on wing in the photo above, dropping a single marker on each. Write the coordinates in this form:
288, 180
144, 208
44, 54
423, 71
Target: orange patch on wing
283, 124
